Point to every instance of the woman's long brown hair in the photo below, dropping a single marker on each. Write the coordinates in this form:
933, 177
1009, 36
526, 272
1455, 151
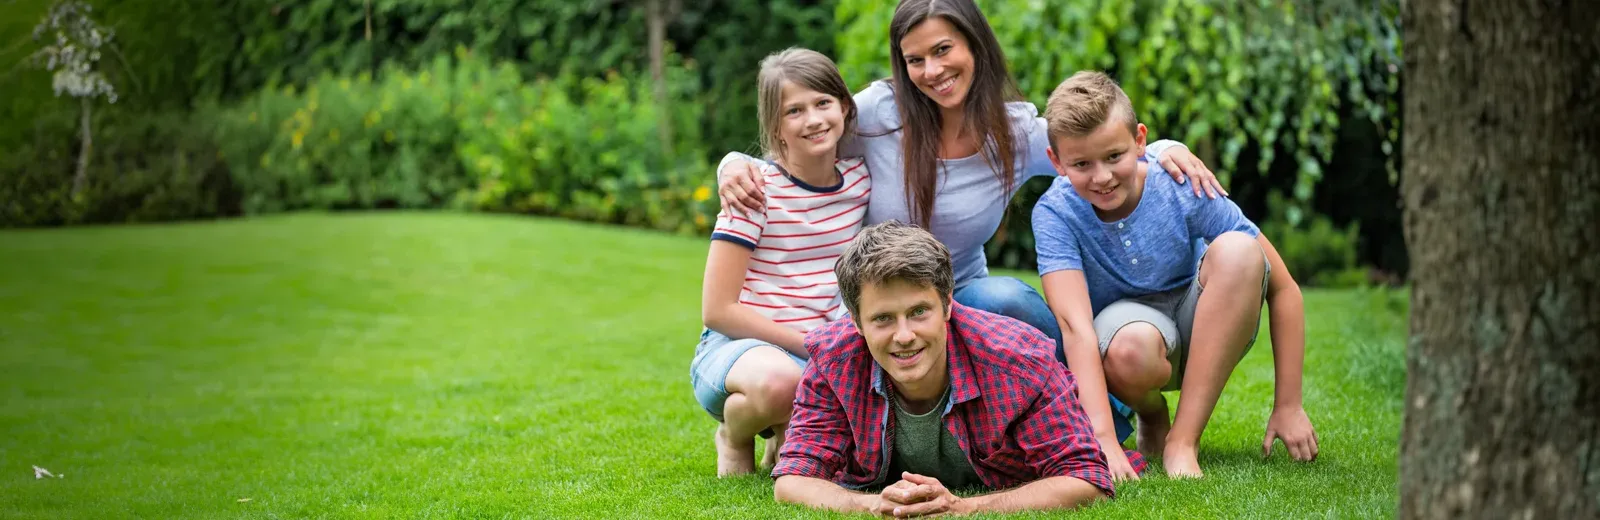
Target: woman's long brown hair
984, 106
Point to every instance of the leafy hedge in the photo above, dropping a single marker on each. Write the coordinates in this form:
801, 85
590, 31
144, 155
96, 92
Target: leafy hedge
464, 133
145, 167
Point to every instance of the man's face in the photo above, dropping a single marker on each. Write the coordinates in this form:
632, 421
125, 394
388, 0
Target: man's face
904, 326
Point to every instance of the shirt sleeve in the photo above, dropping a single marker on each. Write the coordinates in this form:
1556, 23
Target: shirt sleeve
1205, 217
1160, 147
744, 230
818, 439
1054, 241
732, 156
1056, 438
1036, 161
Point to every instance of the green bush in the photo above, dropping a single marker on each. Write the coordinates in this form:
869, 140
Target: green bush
346, 143
143, 167
1315, 251
469, 134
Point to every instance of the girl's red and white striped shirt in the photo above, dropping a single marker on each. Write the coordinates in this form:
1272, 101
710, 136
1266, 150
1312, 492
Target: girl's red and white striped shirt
796, 242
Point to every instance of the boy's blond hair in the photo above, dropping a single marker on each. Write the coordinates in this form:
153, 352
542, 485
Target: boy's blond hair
1084, 102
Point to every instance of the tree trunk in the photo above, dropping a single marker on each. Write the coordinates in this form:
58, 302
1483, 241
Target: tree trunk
81, 178
1501, 181
658, 67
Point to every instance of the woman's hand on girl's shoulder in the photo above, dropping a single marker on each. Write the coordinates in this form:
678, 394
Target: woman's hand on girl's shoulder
739, 186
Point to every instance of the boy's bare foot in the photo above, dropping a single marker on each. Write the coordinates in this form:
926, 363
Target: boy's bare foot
1181, 461
770, 458
1153, 430
734, 456
1154, 423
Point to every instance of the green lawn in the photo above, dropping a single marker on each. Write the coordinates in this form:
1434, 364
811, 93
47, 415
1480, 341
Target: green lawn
446, 365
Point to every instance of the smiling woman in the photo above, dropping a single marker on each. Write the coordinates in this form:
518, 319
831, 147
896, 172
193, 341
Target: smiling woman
946, 50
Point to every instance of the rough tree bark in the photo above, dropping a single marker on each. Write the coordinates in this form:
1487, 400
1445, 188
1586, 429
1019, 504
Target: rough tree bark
80, 179
1502, 178
658, 14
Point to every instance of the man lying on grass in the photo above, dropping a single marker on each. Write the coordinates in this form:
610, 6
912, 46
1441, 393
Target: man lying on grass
926, 395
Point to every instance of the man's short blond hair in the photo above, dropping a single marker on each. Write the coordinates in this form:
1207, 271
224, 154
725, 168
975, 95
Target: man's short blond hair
1084, 102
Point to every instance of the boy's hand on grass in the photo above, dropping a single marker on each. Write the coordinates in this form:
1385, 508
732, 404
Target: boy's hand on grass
1117, 461
1293, 426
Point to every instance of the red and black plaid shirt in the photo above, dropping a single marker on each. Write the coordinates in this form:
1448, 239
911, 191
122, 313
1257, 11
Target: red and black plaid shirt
1014, 409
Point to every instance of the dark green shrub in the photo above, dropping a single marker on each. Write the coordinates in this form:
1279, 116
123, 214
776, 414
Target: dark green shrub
143, 167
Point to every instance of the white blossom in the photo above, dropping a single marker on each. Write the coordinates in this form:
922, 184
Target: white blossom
75, 52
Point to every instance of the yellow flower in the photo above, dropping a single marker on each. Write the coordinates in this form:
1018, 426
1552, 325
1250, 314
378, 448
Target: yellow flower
298, 138
702, 193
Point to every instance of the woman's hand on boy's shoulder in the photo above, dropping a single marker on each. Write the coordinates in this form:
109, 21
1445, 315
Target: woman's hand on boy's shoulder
1184, 166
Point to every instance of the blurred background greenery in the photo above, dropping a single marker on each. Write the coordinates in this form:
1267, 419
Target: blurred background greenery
616, 110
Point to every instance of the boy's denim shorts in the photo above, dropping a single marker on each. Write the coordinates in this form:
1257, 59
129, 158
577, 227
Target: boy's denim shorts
713, 359
1172, 313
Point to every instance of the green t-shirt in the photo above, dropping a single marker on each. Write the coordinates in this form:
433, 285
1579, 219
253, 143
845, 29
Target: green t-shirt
922, 445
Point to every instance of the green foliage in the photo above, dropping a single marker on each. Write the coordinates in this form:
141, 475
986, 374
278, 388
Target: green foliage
145, 167
219, 54
470, 134
346, 143
730, 39
1315, 251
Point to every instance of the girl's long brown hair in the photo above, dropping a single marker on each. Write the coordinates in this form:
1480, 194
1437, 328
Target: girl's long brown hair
984, 107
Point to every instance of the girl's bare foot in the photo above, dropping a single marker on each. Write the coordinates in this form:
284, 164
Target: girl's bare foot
734, 456
1181, 461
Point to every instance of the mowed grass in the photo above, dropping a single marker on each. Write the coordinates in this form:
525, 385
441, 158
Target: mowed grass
437, 365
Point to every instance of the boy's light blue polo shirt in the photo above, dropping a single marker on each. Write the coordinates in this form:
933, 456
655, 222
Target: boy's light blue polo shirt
1151, 251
